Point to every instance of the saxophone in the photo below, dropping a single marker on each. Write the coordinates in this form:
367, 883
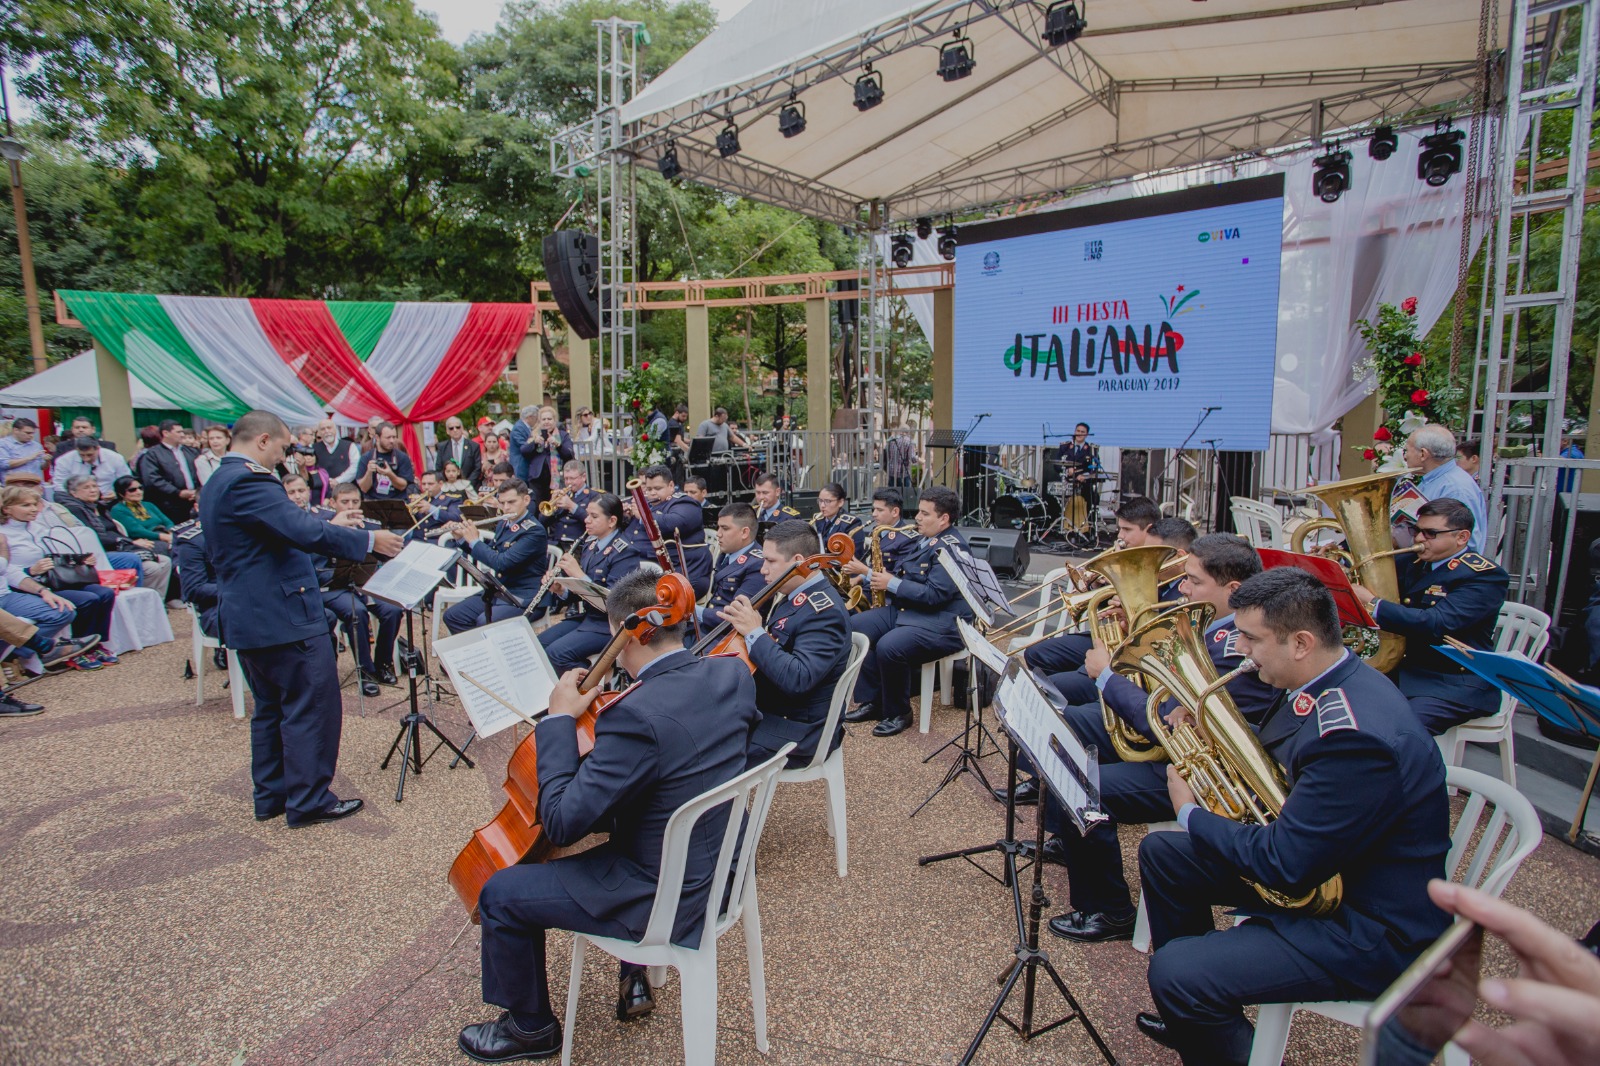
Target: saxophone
875, 543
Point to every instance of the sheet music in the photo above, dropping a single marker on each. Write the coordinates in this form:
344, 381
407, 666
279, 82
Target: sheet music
1067, 767
506, 658
586, 590
410, 576
985, 652
977, 583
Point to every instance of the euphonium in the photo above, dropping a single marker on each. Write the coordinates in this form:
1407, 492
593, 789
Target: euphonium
1133, 575
1216, 752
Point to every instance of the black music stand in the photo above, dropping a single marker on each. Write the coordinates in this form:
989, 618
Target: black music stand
394, 514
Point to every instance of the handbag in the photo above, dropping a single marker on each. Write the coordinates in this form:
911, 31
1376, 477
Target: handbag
72, 570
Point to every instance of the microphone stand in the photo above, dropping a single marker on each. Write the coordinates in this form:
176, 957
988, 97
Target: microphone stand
1173, 462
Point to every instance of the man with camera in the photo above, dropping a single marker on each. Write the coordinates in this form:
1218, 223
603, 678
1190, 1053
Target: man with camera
385, 473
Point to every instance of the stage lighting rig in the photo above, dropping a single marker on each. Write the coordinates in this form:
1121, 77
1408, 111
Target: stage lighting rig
869, 90
957, 57
1440, 156
924, 227
668, 163
1331, 178
1062, 23
728, 140
1384, 143
947, 241
900, 249
792, 118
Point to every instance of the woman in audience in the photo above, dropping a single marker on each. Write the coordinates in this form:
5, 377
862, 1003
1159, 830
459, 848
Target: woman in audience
493, 451
143, 521
218, 440
82, 501
455, 485
31, 546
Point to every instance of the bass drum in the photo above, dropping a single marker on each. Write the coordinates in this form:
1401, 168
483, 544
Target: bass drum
1024, 510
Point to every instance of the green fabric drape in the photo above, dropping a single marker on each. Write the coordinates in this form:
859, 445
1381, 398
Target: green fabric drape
361, 323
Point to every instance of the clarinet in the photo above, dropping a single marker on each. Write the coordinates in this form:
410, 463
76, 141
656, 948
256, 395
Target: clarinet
553, 574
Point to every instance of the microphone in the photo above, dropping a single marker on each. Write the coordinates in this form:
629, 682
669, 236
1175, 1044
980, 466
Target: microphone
1213, 408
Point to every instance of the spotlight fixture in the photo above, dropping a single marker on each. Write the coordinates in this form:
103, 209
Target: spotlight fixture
1062, 23
728, 140
1384, 143
1440, 157
924, 227
869, 90
900, 249
957, 57
1331, 178
792, 118
947, 241
668, 163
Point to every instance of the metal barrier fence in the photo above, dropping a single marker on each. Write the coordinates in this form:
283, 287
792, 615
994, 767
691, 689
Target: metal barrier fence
1530, 536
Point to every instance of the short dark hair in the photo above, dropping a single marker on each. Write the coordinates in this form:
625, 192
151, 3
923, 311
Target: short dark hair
377, 430
123, 484
833, 488
944, 501
85, 444
346, 488
24, 423
662, 471
740, 514
1291, 601
1470, 447
1084, 425
768, 479
169, 423
719, 411
891, 497
255, 423
1140, 511
503, 467
793, 537
698, 482
295, 477
610, 505
85, 419
1456, 513
681, 408
1226, 557
1174, 532
516, 485
636, 592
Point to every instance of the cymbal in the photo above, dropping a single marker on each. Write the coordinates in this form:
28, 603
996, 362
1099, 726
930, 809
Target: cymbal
992, 468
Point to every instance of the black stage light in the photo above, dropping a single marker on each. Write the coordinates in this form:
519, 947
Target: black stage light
947, 242
957, 58
1440, 157
900, 249
1062, 23
792, 118
668, 163
924, 227
1384, 143
728, 140
1331, 178
869, 90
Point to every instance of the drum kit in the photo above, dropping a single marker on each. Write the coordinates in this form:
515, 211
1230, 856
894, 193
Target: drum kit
1065, 509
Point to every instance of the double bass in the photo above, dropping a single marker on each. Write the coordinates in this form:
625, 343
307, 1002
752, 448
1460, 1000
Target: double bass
725, 640
515, 835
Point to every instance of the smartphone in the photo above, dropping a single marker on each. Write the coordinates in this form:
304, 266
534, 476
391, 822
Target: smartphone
1414, 1018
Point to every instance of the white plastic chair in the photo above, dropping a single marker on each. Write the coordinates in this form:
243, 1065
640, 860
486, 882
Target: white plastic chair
445, 596
139, 615
199, 658
1510, 833
1257, 522
947, 673
1048, 623
748, 798
1141, 923
1521, 630
829, 766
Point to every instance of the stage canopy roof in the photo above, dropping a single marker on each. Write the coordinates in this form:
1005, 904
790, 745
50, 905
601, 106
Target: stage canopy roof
1152, 85
75, 383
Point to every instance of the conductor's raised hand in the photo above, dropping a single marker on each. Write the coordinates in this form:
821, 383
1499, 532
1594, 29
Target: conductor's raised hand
349, 519
387, 542
565, 699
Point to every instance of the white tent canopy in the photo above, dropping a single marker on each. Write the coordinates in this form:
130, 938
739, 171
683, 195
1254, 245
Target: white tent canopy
1150, 86
75, 383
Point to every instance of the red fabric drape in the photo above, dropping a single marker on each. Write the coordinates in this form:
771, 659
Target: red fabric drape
480, 353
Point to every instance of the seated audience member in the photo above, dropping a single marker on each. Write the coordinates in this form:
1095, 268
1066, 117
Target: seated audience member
143, 521
455, 485
30, 549
1433, 449
82, 501
33, 643
22, 457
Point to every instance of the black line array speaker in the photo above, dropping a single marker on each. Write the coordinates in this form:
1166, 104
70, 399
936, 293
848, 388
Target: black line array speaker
1004, 549
572, 264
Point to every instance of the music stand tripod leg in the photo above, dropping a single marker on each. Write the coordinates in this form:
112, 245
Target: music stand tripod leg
966, 760
409, 738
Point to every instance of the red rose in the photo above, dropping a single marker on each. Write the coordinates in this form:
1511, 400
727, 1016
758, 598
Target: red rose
1414, 359
1368, 453
1420, 396
644, 366
636, 403
1409, 305
1383, 434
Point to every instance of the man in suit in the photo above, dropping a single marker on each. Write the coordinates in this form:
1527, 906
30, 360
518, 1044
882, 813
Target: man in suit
1366, 801
518, 555
739, 570
565, 525
770, 508
271, 614
458, 448
374, 659
1445, 590
521, 433
682, 728
168, 473
799, 652
82, 428
917, 625
678, 518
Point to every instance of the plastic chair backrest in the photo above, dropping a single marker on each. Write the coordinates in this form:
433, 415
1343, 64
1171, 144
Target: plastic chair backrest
1258, 523
1523, 629
1508, 835
841, 695
749, 799
1046, 622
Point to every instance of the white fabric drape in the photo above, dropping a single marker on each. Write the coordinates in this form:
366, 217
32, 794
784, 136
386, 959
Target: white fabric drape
240, 355
412, 347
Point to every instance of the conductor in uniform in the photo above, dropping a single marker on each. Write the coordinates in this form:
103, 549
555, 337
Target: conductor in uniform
799, 652
917, 625
738, 571
1445, 589
1366, 801
517, 555
271, 615
681, 729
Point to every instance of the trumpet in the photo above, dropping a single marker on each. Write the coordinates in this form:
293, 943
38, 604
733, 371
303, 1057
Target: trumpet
548, 507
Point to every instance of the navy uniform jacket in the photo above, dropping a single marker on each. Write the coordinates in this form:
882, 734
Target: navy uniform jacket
326, 565
926, 596
778, 512
682, 729
843, 522
567, 526
1251, 695
323, 513
517, 554
897, 543
604, 566
798, 662
1366, 801
679, 516
196, 578
736, 574
1461, 598
442, 511
261, 546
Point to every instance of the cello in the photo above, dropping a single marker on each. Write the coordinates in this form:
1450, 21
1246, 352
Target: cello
514, 835
725, 640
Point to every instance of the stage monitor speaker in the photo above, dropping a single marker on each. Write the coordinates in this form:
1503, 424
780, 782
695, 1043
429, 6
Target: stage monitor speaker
848, 309
572, 264
1004, 549
805, 501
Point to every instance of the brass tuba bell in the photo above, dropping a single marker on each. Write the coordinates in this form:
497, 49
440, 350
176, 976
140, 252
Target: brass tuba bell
1134, 577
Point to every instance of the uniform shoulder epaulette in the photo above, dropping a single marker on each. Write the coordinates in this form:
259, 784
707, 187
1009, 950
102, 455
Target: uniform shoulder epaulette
1334, 712
188, 530
755, 552
951, 538
1475, 562
820, 600
1228, 637
256, 468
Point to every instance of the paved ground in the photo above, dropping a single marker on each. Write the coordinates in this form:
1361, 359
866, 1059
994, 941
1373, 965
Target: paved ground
147, 918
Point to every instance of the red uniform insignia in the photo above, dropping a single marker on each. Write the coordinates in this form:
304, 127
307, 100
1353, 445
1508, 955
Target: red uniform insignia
741, 558
1219, 636
1453, 564
1304, 704
799, 599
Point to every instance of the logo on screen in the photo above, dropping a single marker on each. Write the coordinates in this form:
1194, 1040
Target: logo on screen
1229, 233
1122, 359
991, 262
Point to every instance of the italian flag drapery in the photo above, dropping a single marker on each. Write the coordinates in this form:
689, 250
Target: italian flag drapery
220, 357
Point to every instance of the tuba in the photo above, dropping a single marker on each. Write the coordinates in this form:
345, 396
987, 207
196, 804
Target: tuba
1134, 577
1361, 509
1217, 753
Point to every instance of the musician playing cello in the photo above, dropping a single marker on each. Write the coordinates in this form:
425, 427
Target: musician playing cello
682, 728
609, 557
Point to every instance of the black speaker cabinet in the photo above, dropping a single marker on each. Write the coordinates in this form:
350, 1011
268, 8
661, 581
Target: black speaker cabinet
1004, 549
572, 264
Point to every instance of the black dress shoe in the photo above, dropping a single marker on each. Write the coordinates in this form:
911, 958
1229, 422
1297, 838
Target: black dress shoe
1027, 793
634, 999
1152, 1026
340, 809
369, 687
1091, 928
501, 1041
1054, 851
387, 675
267, 816
864, 713
891, 726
